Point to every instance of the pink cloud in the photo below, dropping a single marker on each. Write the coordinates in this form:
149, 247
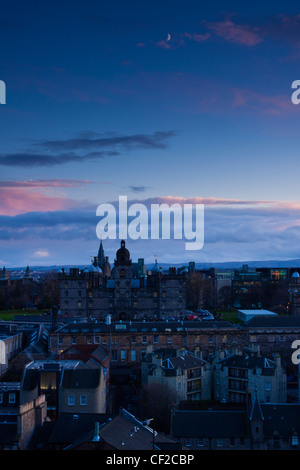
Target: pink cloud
19, 197
20, 201
239, 34
51, 183
197, 37
276, 105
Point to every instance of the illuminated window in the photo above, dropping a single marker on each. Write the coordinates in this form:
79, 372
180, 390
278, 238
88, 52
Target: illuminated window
48, 380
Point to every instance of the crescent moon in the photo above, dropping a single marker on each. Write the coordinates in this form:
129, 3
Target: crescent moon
168, 37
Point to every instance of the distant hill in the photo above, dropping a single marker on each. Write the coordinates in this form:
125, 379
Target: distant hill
293, 263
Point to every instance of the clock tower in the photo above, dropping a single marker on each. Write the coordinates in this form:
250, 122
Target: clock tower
123, 277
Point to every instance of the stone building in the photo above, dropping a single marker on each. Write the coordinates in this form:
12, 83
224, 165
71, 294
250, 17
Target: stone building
260, 426
68, 385
188, 377
247, 373
18, 419
123, 292
294, 293
127, 342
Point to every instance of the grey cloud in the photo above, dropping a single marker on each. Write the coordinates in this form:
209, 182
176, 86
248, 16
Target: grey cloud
127, 142
96, 148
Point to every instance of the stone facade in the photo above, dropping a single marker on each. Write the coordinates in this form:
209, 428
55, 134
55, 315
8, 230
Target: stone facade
187, 377
246, 373
124, 292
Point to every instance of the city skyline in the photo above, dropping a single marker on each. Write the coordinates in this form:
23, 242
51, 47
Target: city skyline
161, 102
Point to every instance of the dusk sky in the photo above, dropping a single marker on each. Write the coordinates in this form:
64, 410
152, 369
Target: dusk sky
161, 101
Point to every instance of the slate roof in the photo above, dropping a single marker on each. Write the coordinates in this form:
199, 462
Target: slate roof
123, 432
69, 428
86, 353
250, 361
279, 321
80, 378
145, 327
205, 424
281, 417
184, 362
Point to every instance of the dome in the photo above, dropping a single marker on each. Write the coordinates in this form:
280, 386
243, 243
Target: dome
94, 269
295, 274
123, 255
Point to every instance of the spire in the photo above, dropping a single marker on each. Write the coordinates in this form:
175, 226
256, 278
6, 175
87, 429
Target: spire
256, 412
101, 257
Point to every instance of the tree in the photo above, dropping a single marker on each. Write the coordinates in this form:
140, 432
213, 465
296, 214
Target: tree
50, 290
156, 401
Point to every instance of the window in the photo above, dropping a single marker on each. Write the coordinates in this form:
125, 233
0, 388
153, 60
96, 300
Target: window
1, 397
133, 355
48, 381
123, 354
83, 400
71, 400
144, 339
74, 339
268, 386
114, 355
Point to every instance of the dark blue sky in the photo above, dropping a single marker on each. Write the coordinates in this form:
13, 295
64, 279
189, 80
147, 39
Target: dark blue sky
159, 101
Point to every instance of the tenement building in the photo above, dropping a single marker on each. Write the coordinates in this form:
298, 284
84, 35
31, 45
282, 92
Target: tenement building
124, 292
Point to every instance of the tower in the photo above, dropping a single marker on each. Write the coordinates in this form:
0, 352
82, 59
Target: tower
123, 277
101, 257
